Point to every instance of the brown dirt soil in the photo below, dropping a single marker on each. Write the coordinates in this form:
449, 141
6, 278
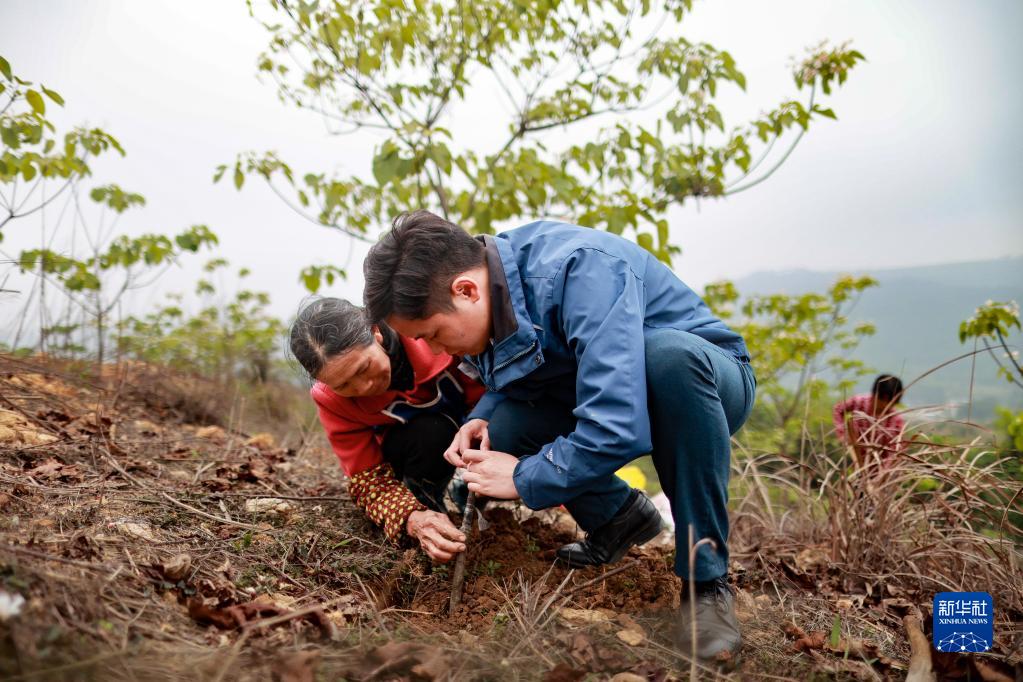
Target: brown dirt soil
508, 549
155, 538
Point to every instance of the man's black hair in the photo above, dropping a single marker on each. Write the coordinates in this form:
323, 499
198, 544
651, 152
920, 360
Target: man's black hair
410, 270
326, 328
887, 387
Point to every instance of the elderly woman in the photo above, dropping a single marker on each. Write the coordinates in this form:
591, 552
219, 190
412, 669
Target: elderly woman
390, 408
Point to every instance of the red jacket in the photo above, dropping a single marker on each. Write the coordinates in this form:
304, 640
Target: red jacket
353, 429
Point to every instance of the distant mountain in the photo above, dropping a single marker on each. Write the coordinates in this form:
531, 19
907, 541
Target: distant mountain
917, 312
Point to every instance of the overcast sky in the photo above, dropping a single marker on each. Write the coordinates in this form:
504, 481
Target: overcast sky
922, 167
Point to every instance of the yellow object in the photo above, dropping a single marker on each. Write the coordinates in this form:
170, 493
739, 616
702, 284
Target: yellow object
632, 475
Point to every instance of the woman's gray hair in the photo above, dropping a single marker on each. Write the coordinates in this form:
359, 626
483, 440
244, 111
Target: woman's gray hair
326, 328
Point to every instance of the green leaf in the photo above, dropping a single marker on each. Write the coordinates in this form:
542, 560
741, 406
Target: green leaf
646, 241
5, 69
836, 632
36, 100
53, 95
311, 281
239, 177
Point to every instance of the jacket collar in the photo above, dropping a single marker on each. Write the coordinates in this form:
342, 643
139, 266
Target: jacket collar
514, 335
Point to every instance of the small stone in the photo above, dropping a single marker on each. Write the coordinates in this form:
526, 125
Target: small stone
177, 568
581, 616
628, 677
631, 637
271, 506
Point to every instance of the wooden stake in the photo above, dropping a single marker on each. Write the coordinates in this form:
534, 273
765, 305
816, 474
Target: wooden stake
458, 577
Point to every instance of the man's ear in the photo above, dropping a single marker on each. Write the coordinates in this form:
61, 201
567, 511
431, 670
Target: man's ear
377, 334
465, 286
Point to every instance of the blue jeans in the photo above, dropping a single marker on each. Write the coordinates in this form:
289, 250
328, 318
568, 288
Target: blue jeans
698, 395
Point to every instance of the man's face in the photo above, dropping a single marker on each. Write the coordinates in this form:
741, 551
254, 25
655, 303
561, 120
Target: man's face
465, 330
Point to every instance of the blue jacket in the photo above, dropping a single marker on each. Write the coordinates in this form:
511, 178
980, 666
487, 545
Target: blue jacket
577, 302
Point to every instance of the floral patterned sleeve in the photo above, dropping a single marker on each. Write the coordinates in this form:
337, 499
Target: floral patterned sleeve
387, 501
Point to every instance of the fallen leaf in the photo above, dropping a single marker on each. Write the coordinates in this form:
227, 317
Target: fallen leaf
397, 660
628, 677
627, 622
812, 558
177, 567
48, 469
137, 529
631, 637
262, 441
297, 667
563, 672
433, 665
804, 641
214, 433
582, 651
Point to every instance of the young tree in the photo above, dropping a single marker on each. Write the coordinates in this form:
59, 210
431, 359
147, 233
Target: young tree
96, 277
803, 346
225, 340
615, 73
994, 322
33, 152
94, 267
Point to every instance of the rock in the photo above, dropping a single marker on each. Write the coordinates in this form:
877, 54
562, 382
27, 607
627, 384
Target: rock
16, 430
177, 567
271, 506
146, 427
262, 441
631, 637
579, 617
214, 433
136, 529
628, 677
10, 605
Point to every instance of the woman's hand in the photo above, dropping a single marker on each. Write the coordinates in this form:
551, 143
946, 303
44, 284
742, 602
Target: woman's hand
472, 432
436, 534
490, 473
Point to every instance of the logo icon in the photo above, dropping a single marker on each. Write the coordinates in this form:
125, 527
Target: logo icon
963, 621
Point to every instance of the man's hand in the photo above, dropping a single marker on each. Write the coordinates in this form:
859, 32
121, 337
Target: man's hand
472, 432
490, 473
436, 534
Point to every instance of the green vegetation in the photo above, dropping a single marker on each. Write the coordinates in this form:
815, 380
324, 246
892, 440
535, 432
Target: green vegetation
618, 75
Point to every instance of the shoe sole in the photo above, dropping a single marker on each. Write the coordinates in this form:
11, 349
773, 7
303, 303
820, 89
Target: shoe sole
643, 536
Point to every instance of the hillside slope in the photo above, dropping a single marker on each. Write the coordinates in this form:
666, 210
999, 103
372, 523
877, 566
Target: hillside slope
917, 312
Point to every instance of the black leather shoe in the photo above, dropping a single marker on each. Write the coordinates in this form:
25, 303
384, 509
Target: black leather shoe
718, 637
638, 521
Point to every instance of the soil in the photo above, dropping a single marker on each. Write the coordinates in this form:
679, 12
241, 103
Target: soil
509, 551
145, 534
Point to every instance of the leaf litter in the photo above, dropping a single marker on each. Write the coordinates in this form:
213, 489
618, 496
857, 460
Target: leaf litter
135, 538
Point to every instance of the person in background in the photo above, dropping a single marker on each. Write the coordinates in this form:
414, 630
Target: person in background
870, 424
390, 408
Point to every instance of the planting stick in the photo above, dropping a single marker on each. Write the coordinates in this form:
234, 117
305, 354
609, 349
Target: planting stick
458, 577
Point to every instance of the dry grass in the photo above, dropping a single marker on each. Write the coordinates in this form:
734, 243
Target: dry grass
93, 522
946, 518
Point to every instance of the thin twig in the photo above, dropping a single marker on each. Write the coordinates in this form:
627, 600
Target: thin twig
603, 576
218, 519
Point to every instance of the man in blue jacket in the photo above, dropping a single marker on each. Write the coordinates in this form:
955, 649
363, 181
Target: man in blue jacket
593, 354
